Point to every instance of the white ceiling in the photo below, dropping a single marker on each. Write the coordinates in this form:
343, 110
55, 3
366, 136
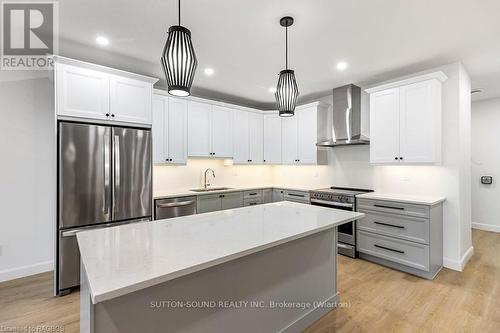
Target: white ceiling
243, 41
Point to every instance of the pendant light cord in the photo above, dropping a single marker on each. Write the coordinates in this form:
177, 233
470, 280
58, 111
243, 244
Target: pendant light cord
179, 12
286, 47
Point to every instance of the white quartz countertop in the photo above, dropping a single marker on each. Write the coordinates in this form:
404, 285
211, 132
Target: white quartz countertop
412, 199
123, 259
183, 192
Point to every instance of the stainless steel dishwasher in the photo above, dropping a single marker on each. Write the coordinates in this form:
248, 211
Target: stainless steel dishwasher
174, 207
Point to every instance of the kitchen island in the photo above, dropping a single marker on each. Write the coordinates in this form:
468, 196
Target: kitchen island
265, 268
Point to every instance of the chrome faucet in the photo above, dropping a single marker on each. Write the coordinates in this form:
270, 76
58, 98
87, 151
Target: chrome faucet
207, 184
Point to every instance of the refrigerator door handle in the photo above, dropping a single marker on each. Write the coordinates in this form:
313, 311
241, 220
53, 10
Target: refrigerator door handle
107, 165
116, 169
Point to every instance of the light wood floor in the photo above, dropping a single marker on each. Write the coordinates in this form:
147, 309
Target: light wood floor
380, 299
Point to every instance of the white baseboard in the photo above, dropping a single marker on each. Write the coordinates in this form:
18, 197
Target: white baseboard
459, 265
486, 227
23, 271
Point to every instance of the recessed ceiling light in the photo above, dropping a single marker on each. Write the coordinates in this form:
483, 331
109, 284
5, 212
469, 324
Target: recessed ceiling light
101, 40
272, 90
342, 65
209, 71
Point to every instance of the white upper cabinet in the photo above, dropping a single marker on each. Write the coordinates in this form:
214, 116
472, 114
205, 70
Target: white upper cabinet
169, 130
405, 121
256, 136
241, 137
289, 141
209, 129
130, 100
307, 135
299, 135
420, 122
222, 143
82, 92
85, 90
247, 137
177, 130
158, 129
384, 126
199, 129
272, 139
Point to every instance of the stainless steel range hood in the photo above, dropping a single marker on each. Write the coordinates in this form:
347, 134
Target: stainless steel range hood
347, 121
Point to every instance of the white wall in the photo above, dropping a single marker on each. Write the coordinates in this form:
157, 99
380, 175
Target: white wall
486, 162
27, 177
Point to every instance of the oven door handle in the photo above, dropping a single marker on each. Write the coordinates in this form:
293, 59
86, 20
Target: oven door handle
332, 203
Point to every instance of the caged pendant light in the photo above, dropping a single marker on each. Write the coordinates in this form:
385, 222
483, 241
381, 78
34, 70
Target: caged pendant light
178, 60
287, 91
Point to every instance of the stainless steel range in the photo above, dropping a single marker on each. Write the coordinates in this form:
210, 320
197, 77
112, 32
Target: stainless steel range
341, 198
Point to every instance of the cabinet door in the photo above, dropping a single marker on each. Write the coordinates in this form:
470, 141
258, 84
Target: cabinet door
158, 130
272, 139
199, 129
208, 203
278, 195
177, 131
130, 100
256, 135
232, 200
384, 126
222, 138
289, 142
267, 195
307, 135
241, 154
81, 92
420, 122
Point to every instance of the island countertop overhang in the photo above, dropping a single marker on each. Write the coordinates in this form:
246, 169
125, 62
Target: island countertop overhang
128, 258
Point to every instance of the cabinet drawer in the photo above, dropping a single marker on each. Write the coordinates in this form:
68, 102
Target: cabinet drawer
252, 202
396, 250
252, 194
296, 196
405, 227
393, 207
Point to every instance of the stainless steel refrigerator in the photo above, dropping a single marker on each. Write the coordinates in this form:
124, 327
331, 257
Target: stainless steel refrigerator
104, 179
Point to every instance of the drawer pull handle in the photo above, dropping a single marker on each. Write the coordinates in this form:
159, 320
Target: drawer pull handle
252, 193
389, 225
296, 195
388, 249
175, 204
389, 207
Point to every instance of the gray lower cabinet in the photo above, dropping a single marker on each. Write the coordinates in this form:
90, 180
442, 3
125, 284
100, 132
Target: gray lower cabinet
267, 195
208, 203
278, 195
296, 196
214, 202
232, 200
407, 237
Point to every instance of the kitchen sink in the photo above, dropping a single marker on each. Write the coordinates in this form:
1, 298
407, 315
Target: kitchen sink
210, 189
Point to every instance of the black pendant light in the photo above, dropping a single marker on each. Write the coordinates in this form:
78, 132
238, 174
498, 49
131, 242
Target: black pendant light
287, 90
178, 60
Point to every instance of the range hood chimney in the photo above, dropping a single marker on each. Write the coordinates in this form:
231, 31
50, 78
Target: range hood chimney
346, 122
